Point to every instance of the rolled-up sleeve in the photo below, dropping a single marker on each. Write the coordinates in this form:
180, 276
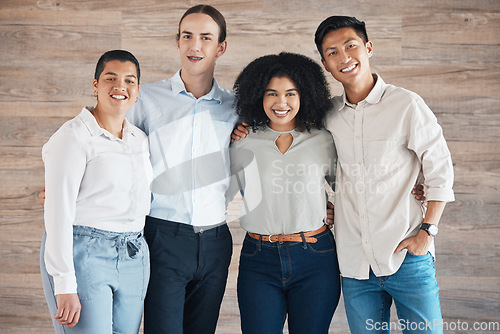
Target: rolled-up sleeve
427, 141
65, 161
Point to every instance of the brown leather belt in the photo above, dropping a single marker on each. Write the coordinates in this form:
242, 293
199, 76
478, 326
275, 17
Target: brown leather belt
297, 237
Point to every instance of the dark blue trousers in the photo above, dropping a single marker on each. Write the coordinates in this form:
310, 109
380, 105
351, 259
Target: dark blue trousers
294, 279
188, 277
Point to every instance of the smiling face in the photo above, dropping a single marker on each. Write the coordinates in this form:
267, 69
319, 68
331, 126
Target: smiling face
117, 87
198, 44
346, 57
281, 103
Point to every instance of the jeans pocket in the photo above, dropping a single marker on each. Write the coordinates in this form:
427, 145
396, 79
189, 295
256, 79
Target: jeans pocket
324, 245
249, 248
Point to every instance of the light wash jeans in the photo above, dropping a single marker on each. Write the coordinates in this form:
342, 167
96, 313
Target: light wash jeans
112, 273
414, 290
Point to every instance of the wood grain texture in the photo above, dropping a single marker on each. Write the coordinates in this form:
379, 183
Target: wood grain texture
447, 51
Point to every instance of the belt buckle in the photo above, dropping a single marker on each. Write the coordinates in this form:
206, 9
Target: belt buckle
269, 238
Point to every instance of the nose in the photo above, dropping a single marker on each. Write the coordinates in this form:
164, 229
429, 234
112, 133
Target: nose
344, 56
282, 100
196, 44
120, 85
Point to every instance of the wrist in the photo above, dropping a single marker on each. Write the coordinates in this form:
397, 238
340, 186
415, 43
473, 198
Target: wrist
431, 229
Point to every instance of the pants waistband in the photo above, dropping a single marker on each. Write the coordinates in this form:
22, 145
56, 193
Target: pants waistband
306, 237
95, 232
183, 227
127, 244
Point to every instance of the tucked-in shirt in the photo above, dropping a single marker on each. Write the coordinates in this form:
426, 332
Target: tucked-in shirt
95, 179
283, 193
386, 144
189, 145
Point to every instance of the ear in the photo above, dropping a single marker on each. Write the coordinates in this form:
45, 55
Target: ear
369, 48
325, 65
222, 49
94, 84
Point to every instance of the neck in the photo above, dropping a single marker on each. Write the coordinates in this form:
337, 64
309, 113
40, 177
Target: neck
113, 124
198, 85
282, 128
359, 91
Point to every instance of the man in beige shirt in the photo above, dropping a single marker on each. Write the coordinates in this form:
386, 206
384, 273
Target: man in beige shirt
387, 141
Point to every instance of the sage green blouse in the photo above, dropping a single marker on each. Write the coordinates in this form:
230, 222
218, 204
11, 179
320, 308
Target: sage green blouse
283, 193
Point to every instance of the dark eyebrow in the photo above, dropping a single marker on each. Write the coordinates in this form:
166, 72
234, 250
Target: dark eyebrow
113, 73
288, 90
349, 40
203, 34
334, 47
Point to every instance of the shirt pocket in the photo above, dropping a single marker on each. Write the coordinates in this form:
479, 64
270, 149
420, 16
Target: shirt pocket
383, 153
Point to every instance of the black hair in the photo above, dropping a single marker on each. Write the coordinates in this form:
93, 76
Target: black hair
120, 55
338, 22
306, 74
210, 11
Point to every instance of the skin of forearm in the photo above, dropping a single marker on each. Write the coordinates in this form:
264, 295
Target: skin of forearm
434, 212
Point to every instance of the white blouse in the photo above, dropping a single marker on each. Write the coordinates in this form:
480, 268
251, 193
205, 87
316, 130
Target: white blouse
95, 179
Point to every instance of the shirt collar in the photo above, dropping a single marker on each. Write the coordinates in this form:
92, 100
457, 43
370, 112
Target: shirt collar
95, 130
179, 87
373, 97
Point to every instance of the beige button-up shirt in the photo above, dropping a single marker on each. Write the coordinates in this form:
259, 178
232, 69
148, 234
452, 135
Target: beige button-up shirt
386, 144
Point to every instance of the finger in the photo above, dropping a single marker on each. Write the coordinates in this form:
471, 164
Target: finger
76, 318
402, 245
243, 130
72, 319
239, 132
244, 124
329, 205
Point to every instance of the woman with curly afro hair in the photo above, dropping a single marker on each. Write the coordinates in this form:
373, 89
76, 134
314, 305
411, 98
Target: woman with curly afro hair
288, 263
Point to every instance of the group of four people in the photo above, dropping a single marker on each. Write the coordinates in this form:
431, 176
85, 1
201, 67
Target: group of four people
372, 145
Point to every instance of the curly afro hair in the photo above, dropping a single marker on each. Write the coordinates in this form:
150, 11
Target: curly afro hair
305, 73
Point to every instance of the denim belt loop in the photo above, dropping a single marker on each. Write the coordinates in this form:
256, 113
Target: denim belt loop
304, 243
259, 243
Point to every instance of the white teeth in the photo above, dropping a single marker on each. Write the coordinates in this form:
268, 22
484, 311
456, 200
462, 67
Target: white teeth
350, 68
281, 112
119, 97
195, 58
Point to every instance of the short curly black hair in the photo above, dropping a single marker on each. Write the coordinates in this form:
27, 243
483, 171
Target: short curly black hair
306, 74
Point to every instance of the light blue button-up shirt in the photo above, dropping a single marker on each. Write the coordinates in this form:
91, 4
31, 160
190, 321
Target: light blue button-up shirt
189, 140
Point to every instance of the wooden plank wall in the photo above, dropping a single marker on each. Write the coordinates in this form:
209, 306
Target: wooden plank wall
446, 50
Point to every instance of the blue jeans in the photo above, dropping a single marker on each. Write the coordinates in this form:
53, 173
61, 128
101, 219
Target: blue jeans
112, 273
301, 279
414, 290
188, 277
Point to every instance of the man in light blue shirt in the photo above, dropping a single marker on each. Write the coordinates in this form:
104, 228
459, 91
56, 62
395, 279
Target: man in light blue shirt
189, 120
